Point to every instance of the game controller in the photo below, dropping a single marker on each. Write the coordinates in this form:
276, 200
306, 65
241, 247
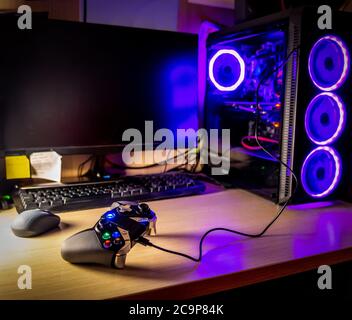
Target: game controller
139, 212
112, 237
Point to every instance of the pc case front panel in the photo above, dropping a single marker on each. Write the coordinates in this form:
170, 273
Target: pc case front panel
318, 115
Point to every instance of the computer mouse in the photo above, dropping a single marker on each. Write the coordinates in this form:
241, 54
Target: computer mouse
31, 223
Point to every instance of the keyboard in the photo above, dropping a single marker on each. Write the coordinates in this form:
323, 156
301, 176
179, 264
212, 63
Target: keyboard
90, 195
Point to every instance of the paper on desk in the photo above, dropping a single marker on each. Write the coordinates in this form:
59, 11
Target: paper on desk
46, 165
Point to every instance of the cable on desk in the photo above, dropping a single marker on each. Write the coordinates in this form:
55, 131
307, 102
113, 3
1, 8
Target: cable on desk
146, 242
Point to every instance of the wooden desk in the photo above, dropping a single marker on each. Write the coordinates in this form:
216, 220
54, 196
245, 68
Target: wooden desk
301, 240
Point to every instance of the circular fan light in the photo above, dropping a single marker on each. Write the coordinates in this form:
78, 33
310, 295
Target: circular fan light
328, 63
321, 172
226, 70
325, 118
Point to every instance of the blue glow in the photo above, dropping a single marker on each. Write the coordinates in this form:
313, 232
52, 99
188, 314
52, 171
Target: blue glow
321, 172
329, 63
116, 234
110, 215
182, 86
178, 92
205, 29
325, 118
311, 205
226, 70
145, 222
259, 54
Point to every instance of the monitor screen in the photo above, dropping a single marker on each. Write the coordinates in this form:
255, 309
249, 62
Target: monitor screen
67, 85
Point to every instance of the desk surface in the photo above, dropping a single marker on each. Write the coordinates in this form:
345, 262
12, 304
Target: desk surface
302, 239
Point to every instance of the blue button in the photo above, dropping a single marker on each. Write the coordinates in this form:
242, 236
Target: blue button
116, 234
110, 215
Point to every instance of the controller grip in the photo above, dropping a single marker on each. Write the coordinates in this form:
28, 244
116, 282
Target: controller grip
84, 247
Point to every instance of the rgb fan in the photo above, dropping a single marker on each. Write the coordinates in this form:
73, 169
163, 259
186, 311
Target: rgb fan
328, 63
321, 172
325, 118
226, 70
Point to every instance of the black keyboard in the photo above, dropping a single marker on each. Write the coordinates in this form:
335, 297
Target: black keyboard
102, 194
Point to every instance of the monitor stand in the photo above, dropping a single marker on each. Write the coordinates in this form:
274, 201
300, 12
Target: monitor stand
98, 172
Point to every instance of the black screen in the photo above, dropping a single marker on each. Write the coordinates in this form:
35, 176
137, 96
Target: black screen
73, 84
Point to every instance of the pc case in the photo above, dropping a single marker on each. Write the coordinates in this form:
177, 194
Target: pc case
296, 79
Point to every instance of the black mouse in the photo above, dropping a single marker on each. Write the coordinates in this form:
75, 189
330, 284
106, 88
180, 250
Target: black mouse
31, 223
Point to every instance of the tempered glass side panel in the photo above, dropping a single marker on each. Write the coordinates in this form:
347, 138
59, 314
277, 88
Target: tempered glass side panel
245, 77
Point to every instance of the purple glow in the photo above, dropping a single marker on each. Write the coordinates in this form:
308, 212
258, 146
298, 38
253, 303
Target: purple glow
329, 232
178, 91
183, 86
205, 29
321, 172
311, 205
325, 118
238, 60
328, 63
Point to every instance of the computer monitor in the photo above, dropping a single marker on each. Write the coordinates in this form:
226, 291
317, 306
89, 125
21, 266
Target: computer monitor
75, 87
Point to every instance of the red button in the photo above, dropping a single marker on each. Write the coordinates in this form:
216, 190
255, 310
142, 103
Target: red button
107, 244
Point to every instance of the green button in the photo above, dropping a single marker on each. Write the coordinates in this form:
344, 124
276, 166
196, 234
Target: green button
6, 197
106, 235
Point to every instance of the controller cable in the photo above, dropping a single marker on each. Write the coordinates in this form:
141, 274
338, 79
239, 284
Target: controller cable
146, 242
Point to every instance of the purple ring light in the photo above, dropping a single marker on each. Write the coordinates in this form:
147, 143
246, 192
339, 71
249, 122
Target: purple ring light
325, 118
321, 172
328, 63
226, 70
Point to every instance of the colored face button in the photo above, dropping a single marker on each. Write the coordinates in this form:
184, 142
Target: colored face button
116, 234
106, 235
107, 244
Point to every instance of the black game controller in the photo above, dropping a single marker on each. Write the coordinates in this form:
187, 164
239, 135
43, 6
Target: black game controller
112, 237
